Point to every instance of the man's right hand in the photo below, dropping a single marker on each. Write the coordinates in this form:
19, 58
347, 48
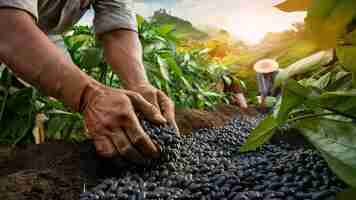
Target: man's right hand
111, 120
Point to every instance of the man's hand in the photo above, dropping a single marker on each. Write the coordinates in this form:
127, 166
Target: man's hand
158, 99
123, 52
111, 120
109, 113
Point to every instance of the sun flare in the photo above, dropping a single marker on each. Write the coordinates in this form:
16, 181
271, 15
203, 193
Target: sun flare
251, 27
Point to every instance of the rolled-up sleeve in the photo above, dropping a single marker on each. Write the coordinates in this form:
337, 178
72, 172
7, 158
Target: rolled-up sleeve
30, 6
114, 14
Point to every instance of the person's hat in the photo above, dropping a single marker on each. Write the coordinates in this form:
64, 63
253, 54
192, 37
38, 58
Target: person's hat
266, 66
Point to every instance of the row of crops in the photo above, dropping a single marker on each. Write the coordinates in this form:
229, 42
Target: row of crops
188, 77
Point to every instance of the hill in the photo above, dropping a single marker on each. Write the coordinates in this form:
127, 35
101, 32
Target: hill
183, 28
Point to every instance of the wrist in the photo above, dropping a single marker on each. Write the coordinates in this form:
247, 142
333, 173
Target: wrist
136, 85
92, 89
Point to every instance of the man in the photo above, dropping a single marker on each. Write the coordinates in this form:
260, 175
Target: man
109, 113
266, 70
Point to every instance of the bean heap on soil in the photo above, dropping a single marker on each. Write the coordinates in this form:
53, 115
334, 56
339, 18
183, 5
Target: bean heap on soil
208, 165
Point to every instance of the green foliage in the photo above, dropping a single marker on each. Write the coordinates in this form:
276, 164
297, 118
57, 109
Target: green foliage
303, 66
187, 77
324, 117
19, 107
330, 17
336, 140
321, 102
261, 134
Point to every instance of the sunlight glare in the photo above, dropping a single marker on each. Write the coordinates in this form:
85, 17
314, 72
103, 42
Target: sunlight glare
252, 26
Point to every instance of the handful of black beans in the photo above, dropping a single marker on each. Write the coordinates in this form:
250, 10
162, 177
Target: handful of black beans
166, 140
208, 166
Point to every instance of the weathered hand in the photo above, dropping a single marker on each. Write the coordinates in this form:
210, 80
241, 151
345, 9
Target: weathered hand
160, 100
112, 123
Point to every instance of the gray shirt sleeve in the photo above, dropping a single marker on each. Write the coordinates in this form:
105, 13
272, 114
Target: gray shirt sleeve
30, 6
114, 14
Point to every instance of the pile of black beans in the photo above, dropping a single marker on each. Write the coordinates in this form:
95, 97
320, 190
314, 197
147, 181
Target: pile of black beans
208, 166
165, 139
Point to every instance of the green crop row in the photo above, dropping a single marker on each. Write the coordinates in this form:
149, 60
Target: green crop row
187, 77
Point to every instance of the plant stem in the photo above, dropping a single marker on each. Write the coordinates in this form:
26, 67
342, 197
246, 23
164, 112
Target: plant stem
309, 116
340, 113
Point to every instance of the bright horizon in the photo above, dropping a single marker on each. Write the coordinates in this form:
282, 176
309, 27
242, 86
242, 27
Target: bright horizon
246, 21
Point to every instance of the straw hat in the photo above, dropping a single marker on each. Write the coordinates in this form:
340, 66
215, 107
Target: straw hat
266, 66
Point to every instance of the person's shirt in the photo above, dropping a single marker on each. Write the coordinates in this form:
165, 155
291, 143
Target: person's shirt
57, 16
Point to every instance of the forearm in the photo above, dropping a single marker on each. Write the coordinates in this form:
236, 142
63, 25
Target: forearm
123, 52
34, 58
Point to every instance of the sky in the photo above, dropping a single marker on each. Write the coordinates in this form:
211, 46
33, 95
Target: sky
248, 20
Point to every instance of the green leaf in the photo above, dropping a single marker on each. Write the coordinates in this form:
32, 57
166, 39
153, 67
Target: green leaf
165, 29
211, 94
323, 81
346, 55
227, 80
336, 140
343, 171
92, 57
339, 101
329, 17
21, 102
342, 101
163, 67
140, 19
286, 104
348, 93
303, 66
173, 65
186, 83
298, 89
260, 135
270, 102
294, 5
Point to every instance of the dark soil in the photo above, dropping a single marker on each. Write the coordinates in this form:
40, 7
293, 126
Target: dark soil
53, 170
192, 119
47, 171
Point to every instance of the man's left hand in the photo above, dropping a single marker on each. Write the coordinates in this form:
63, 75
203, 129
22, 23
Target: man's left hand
160, 100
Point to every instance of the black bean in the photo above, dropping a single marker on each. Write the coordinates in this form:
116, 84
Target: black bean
208, 166
321, 195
